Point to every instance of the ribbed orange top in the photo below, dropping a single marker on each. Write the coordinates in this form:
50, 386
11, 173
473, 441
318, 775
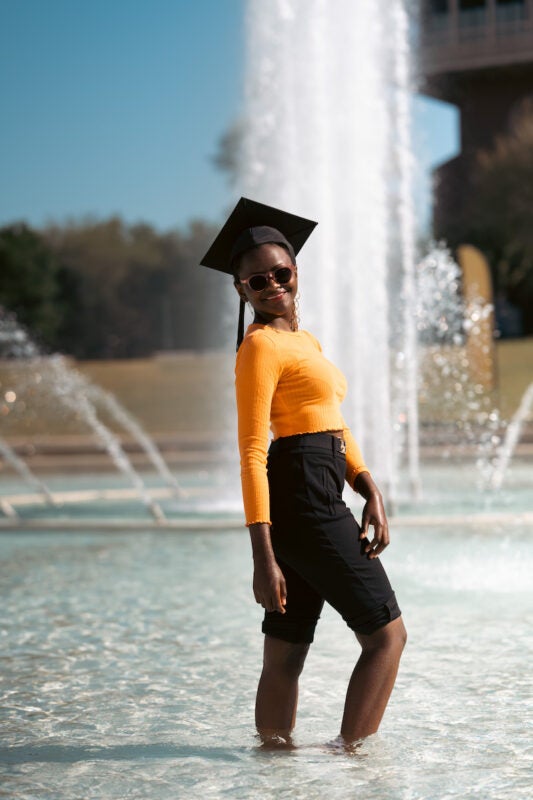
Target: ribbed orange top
283, 382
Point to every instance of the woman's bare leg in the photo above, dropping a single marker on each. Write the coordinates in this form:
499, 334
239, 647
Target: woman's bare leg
372, 680
277, 693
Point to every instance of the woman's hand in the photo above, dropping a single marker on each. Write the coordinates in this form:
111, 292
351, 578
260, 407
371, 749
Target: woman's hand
373, 514
269, 585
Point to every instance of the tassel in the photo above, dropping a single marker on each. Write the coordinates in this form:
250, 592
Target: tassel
240, 329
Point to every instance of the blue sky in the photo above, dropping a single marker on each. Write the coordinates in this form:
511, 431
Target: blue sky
117, 107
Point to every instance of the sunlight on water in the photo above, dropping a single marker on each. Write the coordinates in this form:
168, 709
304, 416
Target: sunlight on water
130, 664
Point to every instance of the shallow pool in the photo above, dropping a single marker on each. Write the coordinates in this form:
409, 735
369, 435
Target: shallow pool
130, 661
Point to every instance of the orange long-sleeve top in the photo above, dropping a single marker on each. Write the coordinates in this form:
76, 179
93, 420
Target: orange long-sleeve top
284, 383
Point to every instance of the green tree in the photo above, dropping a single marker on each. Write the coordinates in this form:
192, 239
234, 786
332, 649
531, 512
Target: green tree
32, 282
103, 289
140, 290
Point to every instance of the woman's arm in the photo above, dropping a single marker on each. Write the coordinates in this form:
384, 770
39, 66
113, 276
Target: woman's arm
257, 372
269, 584
373, 514
355, 463
256, 377
361, 481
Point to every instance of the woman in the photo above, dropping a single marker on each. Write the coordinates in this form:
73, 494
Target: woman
307, 547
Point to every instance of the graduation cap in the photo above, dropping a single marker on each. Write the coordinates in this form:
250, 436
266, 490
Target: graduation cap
249, 225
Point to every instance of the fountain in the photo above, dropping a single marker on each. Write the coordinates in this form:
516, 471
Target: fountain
11, 458
511, 439
132, 660
74, 392
327, 134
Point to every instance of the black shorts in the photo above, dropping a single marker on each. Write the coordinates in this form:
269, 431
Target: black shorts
316, 542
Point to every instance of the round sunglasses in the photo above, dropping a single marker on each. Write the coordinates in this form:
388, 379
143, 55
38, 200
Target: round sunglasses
259, 280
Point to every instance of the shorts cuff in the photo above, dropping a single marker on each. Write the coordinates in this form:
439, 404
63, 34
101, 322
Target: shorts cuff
381, 616
288, 632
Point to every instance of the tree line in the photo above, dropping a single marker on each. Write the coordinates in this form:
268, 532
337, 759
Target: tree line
105, 289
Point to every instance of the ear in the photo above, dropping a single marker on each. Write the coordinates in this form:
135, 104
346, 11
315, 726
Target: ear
239, 290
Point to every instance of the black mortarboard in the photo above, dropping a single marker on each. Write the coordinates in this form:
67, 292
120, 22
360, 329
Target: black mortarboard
250, 224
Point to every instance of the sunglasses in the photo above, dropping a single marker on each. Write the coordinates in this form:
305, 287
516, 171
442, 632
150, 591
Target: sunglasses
259, 280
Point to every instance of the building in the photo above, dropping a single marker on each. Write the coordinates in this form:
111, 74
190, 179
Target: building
478, 55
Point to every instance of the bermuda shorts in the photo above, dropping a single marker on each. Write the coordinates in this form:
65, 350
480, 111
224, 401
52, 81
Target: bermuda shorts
315, 538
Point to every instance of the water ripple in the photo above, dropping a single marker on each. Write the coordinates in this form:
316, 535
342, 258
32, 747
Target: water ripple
128, 668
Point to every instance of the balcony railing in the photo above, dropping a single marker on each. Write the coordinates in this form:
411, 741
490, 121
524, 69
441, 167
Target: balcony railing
494, 34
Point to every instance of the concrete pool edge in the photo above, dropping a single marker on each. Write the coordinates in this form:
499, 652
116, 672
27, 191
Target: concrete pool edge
231, 523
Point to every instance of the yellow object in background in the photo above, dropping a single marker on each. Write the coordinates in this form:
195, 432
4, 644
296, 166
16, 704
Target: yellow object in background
479, 311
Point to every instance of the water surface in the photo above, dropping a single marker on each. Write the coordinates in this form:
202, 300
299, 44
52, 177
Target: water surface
129, 666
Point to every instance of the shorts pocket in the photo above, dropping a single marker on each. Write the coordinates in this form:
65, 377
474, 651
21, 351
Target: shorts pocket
286, 484
321, 482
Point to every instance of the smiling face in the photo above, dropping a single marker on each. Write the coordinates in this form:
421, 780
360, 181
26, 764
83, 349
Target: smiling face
275, 301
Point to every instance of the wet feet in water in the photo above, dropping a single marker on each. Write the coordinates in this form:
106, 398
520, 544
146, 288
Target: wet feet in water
338, 746
342, 747
275, 741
